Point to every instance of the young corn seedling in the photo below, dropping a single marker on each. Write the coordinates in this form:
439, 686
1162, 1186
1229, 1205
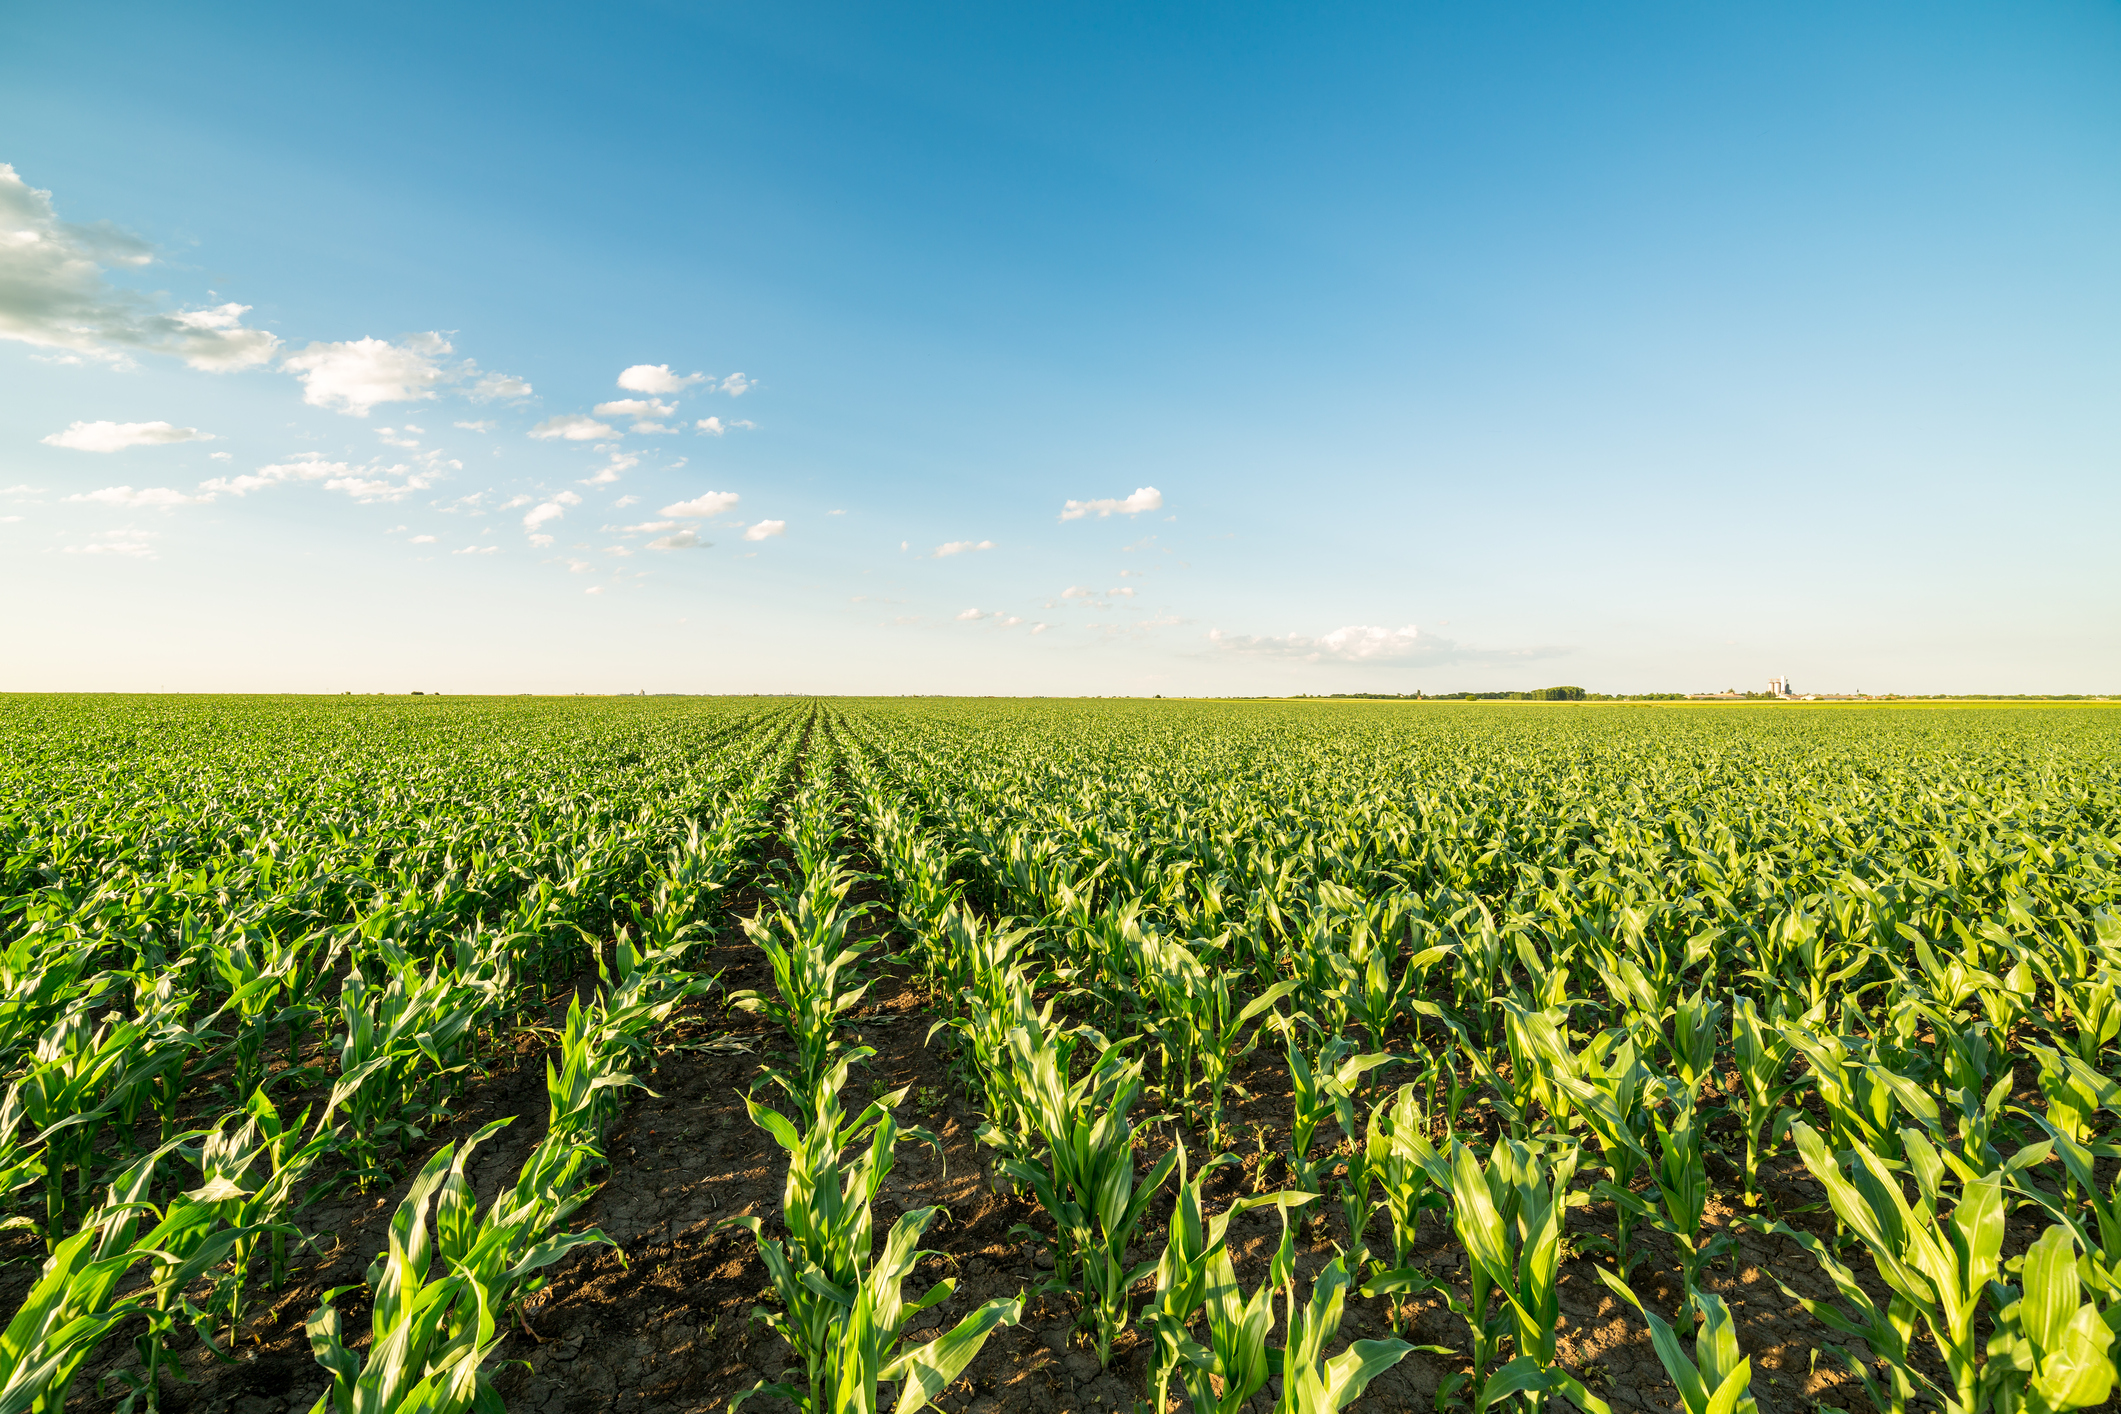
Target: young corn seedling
1407, 1187
1225, 1041
1611, 1090
1508, 1214
816, 979
1937, 1268
1236, 1360
825, 1205
1310, 1382
1716, 1379
1085, 1177
1324, 1090
2051, 1351
1763, 1055
432, 1333
1184, 1272
1681, 1177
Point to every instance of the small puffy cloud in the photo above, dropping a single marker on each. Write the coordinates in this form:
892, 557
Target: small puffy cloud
542, 514
579, 566
1011, 622
1146, 498
9, 520
479, 426
835, 513
371, 484
1040, 628
682, 540
611, 470
715, 427
649, 527
970, 614
423, 540
1076, 591
53, 293
477, 550
304, 468
766, 528
21, 490
736, 385
222, 456
594, 589
539, 542
571, 427
117, 436
624, 501
713, 503
1123, 593
961, 547
512, 502
395, 438
492, 387
354, 375
657, 378
653, 427
159, 497
635, 407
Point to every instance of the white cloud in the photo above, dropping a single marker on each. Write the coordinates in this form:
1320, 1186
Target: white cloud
423, 540
1011, 622
222, 456
650, 527
130, 543
53, 293
609, 472
682, 540
480, 426
579, 566
970, 614
1076, 591
396, 439
651, 427
162, 497
635, 407
1123, 593
354, 375
624, 501
657, 378
736, 385
514, 501
116, 436
543, 514
379, 487
835, 513
1146, 498
713, 503
21, 490
572, 427
304, 468
594, 589
960, 547
1040, 628
9, 520
715, 427
568, 498
766, 528
477, 550
491, 387
539, 542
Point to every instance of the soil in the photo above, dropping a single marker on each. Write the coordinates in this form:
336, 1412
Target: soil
660, 1322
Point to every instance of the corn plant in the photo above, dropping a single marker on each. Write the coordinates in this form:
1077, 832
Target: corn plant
1763, 1054
1310, 1382
1681, 1180
1220, 1375
1323, 1089
2051, 1350
1080, 1167
815, 975
431, 1331
1715, 1379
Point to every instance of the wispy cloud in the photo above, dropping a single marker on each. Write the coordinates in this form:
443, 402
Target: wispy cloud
133, 544
53, 293
960, 547
1367, 643
1146, 498
766, 529
571, 427
117, 436
657, 378
711, 503
157, 497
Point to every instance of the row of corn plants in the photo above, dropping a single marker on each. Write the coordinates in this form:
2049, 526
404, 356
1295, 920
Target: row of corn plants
1635, 985
379, 979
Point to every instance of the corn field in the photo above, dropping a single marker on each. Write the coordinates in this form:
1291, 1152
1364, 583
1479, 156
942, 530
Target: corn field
689, 1054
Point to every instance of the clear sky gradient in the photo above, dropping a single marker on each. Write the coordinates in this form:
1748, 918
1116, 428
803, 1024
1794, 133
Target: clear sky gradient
1643, 347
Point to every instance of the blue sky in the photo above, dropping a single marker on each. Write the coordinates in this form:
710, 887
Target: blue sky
1642, 347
